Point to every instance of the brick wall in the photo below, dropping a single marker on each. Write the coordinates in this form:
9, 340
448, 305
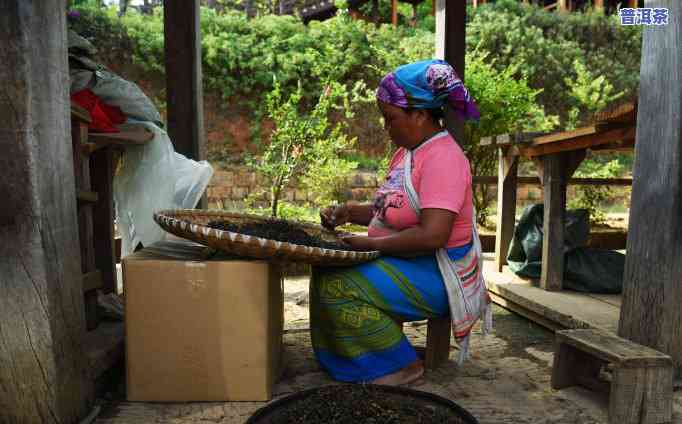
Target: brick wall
230, 187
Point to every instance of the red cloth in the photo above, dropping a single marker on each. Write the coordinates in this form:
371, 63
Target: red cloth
104, 116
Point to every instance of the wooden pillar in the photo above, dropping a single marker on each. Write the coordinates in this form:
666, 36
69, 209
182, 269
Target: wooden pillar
564, 5
599, 5
451, 46
633, 3
394, 12
554, 193
184, 92
43, 371
506, 205
102, 175
652, 286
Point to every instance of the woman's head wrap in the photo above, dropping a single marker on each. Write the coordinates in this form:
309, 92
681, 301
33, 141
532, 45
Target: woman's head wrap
429, 84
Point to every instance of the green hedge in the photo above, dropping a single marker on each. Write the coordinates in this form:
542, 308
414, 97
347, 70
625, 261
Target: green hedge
241, 58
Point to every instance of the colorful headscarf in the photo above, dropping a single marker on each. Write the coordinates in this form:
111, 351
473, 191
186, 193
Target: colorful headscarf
428, 84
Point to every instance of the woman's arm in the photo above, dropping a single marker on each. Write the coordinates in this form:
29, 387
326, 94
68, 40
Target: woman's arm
355, 213
360, 214
432, 233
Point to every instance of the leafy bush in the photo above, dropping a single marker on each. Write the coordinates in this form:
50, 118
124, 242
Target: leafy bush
507, 105
592, 198
304, 144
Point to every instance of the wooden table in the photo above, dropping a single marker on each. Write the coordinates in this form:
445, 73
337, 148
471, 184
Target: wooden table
556, 156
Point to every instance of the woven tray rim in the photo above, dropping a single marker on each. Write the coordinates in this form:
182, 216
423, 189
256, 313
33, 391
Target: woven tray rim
255, 246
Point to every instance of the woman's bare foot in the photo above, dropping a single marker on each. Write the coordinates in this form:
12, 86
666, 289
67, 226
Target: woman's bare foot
405, 375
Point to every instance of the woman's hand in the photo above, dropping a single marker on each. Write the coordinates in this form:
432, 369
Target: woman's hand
360, 242
333, 216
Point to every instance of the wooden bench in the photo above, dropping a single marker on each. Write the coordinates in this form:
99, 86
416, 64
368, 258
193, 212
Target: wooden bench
640, 379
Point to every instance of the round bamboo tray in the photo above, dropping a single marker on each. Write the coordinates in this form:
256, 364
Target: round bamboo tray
191, 224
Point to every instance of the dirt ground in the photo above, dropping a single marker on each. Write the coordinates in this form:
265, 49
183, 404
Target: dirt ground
506, 381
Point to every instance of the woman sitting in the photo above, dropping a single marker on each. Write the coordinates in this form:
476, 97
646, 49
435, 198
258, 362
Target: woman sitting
422, 221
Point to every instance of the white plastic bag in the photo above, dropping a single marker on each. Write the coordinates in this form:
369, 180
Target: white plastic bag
154, 177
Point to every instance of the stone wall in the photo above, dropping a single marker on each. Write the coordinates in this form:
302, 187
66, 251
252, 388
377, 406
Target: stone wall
230, 187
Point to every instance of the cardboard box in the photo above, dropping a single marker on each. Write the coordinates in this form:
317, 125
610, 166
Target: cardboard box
200, 329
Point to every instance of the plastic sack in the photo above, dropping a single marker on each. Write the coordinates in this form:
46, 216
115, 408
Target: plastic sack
153, 177
586, 269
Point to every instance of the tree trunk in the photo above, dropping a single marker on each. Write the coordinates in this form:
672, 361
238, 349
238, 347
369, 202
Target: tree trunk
652, 286
43, 371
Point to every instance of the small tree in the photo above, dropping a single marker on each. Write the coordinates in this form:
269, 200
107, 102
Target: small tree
304, 144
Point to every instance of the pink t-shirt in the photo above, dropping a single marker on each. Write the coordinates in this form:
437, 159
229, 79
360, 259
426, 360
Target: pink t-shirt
442, 178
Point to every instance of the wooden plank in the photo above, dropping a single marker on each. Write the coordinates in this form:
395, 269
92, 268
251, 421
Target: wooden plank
651, 282
554, 188
580, 142
92, 280
524, 312
87, 196
641, 395
43, 373
102, 172
492, 180
506, 206
573, 367
141, 135
566, 309
609, 347
625, 113
564, 135
437, 342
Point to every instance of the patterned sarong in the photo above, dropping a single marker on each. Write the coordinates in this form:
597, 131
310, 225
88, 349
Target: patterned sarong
356, 313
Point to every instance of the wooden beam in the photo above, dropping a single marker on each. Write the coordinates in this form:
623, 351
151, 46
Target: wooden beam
394, 12
102, 177
580, 142
493, 180
184, 94
652, 293
554, 186
506, 205
44, 371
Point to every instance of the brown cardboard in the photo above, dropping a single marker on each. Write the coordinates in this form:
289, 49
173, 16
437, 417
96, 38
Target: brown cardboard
200, 329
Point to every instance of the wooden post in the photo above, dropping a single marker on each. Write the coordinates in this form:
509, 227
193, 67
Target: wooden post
184, 91
44, 371
506, 206
554, 188
599, 5
633, 3
564, 5
394, 12
450, 46
102, 176
652, 288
